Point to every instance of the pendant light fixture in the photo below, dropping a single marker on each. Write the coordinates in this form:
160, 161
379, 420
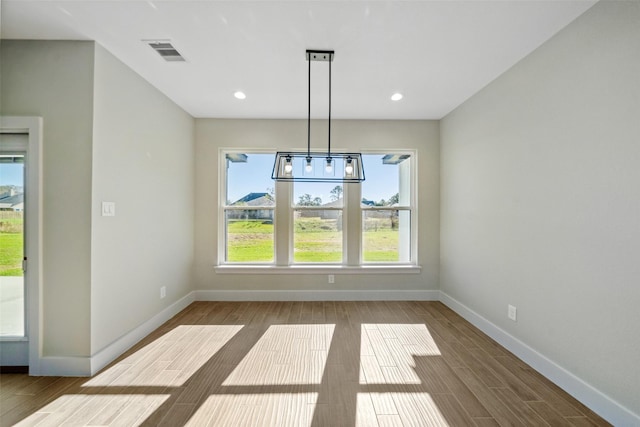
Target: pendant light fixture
315, 166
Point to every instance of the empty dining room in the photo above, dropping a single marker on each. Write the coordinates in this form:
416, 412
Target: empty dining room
346, 213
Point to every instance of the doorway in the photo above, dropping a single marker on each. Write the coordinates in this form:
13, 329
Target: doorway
20, 242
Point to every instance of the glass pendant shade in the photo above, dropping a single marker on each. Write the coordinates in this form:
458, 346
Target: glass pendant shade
299, 166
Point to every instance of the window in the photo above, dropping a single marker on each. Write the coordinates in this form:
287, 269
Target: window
317, 222
248, 208
386, 208
354, 224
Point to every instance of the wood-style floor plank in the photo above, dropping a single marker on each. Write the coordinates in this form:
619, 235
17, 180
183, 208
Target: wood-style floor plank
317, 363
548, 414
486, 422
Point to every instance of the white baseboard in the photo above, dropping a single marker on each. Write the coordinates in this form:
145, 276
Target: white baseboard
88, 366
598, 402
317, 295
67, 366
115, 349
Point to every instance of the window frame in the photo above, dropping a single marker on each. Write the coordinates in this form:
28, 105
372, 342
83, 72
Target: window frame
352, 231
223, 207
412, 208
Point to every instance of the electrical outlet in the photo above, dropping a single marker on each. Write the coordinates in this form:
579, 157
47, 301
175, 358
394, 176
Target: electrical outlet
512, 313
163, 292
332, 278
108, 208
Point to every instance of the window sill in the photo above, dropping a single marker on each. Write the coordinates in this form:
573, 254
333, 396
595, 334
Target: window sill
13, 338
314, 269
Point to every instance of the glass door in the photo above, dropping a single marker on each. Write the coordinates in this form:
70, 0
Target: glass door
12, 249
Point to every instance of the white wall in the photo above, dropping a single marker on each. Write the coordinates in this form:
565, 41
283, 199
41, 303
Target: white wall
540, 200
54, 80
211, 134
143, 160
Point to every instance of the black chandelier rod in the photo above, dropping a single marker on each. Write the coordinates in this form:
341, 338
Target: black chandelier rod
309, 114
329, 140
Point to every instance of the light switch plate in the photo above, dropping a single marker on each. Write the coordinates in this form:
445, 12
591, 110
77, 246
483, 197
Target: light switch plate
108, 208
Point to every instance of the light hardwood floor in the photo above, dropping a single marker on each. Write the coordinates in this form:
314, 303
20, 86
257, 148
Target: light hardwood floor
302, 364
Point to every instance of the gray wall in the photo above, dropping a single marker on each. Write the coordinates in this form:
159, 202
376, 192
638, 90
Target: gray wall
540, 200
143, 161
211, 134
108, 136
54, 80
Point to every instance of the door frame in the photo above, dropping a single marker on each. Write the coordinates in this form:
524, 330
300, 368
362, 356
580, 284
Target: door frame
32, 126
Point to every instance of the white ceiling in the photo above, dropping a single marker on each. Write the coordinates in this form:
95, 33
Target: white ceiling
437, 53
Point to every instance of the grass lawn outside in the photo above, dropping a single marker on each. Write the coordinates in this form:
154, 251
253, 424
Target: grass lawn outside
11, 254
316, 240
380, 245
249, 241
11, 243
317, 246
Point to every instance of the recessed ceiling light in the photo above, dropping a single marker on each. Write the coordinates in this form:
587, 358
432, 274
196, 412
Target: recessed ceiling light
240, 95
396, 96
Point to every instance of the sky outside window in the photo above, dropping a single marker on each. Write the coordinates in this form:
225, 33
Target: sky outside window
254, 176
12, 173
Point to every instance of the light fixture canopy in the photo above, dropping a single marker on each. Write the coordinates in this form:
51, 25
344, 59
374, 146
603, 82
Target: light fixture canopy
314, 166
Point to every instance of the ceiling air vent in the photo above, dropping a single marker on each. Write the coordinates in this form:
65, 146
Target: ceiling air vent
166, 51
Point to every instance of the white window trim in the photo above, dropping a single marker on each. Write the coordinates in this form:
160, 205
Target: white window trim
352, 262
222, 202
318, 269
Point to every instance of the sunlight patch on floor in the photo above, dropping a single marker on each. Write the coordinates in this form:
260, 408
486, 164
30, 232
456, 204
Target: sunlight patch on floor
170, 360
273, 409
285, 354
388, 352
96, 409
398, 409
